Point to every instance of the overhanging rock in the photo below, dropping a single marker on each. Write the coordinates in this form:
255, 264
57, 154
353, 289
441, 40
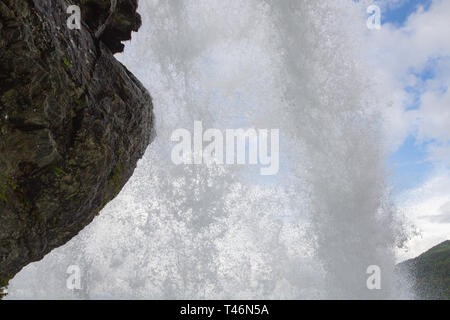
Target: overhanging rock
73, 121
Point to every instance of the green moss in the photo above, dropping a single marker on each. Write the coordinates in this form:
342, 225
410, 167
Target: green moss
114, 179
58, 172
12, 184
66, 62
6, 183
3, 193
79, 102
9, 96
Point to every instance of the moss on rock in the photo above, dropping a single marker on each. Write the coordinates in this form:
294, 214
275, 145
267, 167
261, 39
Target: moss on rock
73, 122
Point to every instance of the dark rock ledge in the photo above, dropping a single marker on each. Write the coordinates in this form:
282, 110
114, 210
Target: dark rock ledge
73, 121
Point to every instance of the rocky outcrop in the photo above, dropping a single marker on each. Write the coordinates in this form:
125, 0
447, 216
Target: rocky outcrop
73, 121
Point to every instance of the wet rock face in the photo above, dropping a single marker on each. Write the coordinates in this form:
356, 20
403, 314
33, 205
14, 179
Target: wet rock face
73, 122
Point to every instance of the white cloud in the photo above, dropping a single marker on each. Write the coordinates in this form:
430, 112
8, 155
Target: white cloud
443, 215
428, 207
434, 116
400, 57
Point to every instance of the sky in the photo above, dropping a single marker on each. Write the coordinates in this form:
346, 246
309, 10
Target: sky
411, 56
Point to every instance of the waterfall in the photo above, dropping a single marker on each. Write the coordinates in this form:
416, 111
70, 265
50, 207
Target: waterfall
224, 231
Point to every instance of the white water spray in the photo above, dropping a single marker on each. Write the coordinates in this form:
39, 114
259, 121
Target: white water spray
206, 232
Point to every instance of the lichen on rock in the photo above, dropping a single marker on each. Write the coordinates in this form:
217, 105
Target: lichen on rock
73, 122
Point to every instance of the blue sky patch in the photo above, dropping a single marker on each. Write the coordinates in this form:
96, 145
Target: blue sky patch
398, 16
409, 165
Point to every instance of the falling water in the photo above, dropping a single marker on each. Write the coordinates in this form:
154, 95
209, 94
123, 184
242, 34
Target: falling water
197, 231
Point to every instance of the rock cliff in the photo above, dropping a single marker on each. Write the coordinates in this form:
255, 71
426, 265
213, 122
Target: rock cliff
73, 121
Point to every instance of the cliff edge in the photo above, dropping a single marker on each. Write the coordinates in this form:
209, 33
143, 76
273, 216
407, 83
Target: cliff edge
73, 121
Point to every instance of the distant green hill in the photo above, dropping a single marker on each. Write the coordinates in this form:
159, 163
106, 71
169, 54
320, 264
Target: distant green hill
430, 272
